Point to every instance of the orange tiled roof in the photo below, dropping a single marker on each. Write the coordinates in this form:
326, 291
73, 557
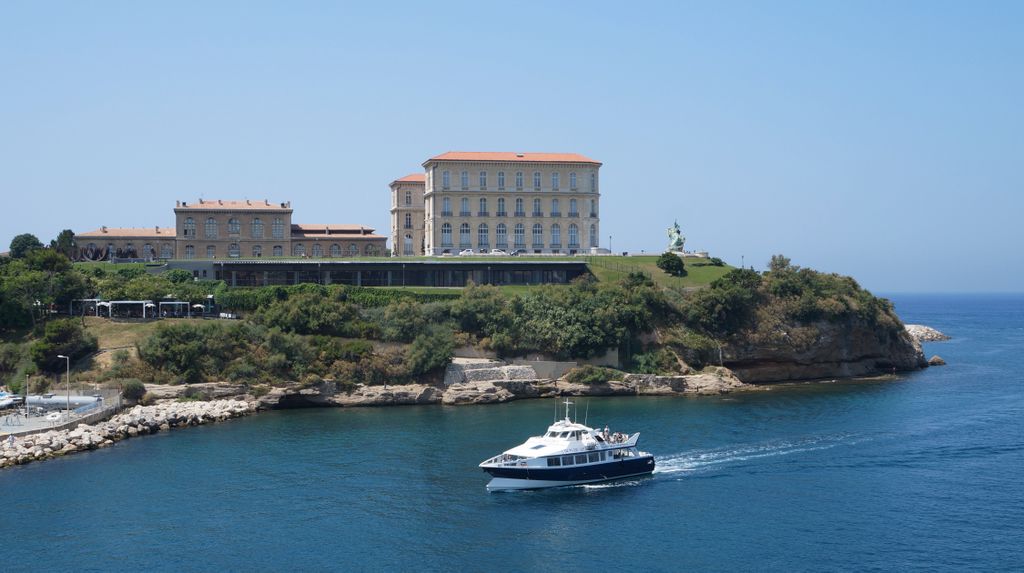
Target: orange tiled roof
130, 232
340, 231
246, 204
413, 178
512, 156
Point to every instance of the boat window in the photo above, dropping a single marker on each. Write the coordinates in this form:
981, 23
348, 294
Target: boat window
593, 457
599, 438
538, 446
554, 461
564, 435
566, 460
581, 458
576, 434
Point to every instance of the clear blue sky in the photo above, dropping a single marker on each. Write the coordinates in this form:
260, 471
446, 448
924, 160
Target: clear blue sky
877, 139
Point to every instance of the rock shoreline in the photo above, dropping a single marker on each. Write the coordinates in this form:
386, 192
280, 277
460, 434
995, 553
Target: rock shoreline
923, 333
139, 420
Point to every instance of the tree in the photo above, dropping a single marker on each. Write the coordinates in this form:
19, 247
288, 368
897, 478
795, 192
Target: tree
64, 243
22, 244
780, 263
672, 264
65, 337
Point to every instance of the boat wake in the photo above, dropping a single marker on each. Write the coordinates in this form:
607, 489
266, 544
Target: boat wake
700, 460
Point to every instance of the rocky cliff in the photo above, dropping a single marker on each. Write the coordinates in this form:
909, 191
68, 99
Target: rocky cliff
821, 350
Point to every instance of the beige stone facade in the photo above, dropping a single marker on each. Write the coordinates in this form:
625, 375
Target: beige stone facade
537, 203
407, 219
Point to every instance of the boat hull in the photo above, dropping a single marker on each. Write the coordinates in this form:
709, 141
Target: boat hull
519, 477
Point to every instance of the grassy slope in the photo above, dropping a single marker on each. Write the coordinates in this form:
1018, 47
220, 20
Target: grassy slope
614, 268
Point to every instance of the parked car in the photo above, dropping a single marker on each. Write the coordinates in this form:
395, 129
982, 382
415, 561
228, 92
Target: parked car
499, 253
466, 253
517, 252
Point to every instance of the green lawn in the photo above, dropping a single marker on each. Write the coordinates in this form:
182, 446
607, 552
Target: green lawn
613, 268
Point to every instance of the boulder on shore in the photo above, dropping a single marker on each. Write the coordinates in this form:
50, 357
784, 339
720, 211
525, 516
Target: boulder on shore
936, 361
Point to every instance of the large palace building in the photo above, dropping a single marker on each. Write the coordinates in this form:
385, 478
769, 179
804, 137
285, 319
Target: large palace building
537, 203
220, 229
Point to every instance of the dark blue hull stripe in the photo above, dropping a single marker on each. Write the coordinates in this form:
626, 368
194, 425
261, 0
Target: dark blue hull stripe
607, 470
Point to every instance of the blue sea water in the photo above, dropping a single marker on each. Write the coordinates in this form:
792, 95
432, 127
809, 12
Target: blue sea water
923, 473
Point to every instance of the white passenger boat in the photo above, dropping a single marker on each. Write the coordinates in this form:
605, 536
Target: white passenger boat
569, 453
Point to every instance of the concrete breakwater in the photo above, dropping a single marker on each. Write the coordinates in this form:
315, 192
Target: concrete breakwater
139, 420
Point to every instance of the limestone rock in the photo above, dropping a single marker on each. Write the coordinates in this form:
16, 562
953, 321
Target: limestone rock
936, 361
925, 333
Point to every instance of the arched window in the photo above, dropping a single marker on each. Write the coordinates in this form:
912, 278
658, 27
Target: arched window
371, 250
536, 180
465, 179
257, 251
572, 208
147, 251
501, 236
446, 235
519, 207
501, 180
464, 242
211, 252
233, 251
190, 227
335, 250
556, 236
234, 226
519, 180
483, 207
407, 244
574, 236
519, 236
408, 220
278, 251
572, 181
446, 207
211, 228
501, 207
299, 250
593, 208
318, 250
464, 207
483, 180
190, 252
353, 250
482, 239
554, 181
408, 197
538, 236
129, 251
257, 228
593, 236
446, 179
555, 210
536, 208
277, 228
593, 183
166, 252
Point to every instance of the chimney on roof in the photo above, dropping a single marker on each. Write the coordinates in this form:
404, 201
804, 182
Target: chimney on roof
177, 203
158, 229
103, 228
519, 155
247, 202
266, 202
220, 201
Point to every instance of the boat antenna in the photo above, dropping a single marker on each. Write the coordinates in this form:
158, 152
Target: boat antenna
586, 413
567, 404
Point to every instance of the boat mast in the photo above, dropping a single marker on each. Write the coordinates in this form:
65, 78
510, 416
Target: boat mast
567, 404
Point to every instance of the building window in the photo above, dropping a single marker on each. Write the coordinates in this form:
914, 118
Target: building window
519, 236
555, 210
483, 208
298, 250
257, 228
370, 250
593, 208
593, 183
234, 226
572, 181
211, 228
211, 252
233, 251
501, 181
147, 251
556, 236
536, 180
318, 250
464, 207
501, 236
574, 236
353, 250
501, 207
519, 207
446, 180
166, 252
257, 251
446, 235
408, 197
536, 208
572, 208
277, 229
554, 181
538, 236
593, 235
407, 244
408, 220
335, 250
190, 227
278, 251
482, 236
464, 241
519, 180
464, 179
190, 252
446, 207
483, 180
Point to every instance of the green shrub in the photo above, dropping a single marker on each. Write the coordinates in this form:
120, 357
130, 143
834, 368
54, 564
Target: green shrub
430, 351
672, 264
133, 390
656, 361
61, 337
588, 374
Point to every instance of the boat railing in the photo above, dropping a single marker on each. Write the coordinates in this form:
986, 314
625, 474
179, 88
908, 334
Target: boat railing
504, 460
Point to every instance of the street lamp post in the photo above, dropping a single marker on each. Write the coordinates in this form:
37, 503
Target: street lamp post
610, 251
67, 360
